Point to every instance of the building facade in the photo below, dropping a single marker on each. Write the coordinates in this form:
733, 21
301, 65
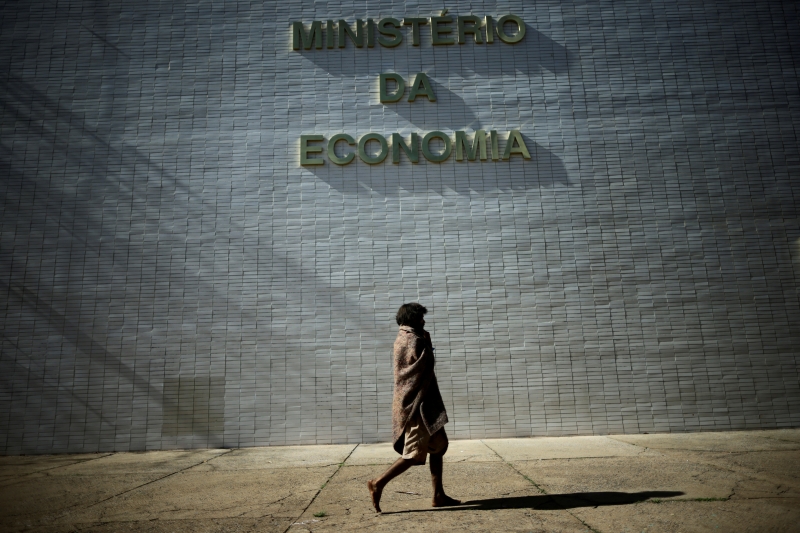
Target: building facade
603, 219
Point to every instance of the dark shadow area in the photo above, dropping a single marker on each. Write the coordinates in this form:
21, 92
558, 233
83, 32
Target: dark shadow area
448, 111
89, 193
544, 169
535, 53
194, 406
46, 118
72, 332
37, 378
553, 502
43, 122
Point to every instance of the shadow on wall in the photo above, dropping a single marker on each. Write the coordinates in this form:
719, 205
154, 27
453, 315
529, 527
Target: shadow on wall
59, 171
41, 122
80, 165
99, 357
534, 54
543, 170
194, 407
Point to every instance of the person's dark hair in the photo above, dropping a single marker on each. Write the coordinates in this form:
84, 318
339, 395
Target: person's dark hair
410, 314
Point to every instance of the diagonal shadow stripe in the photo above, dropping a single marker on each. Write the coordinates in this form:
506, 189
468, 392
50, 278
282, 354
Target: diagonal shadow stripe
70, 331
41, 379
43, 115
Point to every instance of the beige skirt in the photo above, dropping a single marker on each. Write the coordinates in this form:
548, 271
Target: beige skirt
419, 443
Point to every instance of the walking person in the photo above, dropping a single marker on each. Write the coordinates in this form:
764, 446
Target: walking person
418, 413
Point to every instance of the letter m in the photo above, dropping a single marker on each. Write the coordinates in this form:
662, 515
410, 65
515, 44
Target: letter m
463, 145
300, 37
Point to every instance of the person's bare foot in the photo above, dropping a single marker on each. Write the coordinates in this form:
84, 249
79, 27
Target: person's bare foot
443, 500
375, 493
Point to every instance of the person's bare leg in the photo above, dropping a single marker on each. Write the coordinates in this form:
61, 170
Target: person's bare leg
440, 499
376, 485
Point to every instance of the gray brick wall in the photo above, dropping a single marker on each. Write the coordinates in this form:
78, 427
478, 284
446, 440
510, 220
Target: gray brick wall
171, 277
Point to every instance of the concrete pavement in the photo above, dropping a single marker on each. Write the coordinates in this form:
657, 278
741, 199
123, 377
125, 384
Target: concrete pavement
731, 481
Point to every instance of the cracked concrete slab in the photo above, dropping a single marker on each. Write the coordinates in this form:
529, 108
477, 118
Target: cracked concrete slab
213, 525
71, 484
279, 457
162, 462
741, 516
560, 448
12, 468
652, 476
470, 451
43, 498
193, 495
495, 499
723, 441
602, 484
373, 454
792, 435
768, 473
459, 451
783, 465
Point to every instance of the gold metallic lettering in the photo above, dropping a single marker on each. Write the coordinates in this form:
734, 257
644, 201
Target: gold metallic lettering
389, 26
347, 158
362, 148
330, 35
414, 22
495, 148
426, 149
477, 145
474, 29
514, 136
438, 28
501, 32
465, 148
422, 86
385, 96
345, 30
300, 37
306, 150
370, 34
489, 30
412, 152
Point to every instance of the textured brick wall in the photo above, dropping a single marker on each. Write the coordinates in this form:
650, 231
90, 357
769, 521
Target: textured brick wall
171, 277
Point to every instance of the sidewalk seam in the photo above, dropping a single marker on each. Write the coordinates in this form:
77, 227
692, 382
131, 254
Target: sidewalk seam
341, 465
156, 480
22, 478
540, 489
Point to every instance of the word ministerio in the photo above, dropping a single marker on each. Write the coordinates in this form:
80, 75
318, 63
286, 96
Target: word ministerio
444, 30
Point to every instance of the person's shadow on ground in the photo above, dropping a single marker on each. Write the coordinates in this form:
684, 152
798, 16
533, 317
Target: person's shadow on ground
547, 502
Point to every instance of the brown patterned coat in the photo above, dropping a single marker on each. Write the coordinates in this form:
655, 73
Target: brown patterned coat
415, 386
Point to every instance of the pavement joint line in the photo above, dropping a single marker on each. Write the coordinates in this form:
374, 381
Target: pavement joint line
541, 490
62, 466
751, 472
700, 499
339, 467
780, 439
157, 480
23, 477
612, 437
